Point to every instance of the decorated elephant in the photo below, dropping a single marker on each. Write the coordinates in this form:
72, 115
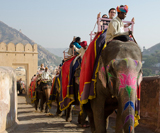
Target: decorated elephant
54, 95
73, 87
42, 92
118, 79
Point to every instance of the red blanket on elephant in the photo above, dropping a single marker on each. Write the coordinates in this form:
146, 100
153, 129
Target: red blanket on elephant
64, 80
89, 66
32, 90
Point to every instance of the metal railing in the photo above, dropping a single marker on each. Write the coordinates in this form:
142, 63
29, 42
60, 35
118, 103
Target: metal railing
67, 56
93, 34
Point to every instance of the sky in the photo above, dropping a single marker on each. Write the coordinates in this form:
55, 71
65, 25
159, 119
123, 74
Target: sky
53, 23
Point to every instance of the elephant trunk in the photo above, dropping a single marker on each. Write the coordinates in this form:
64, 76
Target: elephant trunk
126, 100
123, 80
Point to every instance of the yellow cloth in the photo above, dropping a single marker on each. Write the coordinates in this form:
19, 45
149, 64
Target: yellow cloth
136, 118
80, 51
115, 28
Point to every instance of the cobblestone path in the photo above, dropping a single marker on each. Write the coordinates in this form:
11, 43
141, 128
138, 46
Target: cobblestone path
36, 122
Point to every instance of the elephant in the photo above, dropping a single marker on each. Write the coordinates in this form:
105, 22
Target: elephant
68, 111
42, 93
82, 117
119, 74
54, 95
58, 112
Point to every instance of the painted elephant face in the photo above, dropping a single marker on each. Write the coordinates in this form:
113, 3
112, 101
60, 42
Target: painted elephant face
123, 74
122, 77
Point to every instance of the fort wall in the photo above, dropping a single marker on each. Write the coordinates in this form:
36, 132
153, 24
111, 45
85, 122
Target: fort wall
20, 55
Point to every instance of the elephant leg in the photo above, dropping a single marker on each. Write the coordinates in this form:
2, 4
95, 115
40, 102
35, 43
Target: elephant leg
82, 117
46, 108
41, 105
47, 94
88, 110
69, 114
109, 110
58, 110
42, 102
119, 124
65, 112
36, 101
97, 105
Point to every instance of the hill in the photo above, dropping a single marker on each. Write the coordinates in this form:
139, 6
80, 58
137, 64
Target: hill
151, 50
9, 34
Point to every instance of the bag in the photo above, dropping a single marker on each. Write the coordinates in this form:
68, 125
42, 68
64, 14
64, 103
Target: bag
70, 51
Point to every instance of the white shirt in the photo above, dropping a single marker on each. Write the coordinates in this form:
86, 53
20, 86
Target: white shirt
115, 28
45, 75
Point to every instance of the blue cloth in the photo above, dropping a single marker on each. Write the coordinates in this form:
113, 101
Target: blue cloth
77, 45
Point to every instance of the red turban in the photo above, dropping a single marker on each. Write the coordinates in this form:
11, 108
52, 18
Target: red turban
83, 44
122, 8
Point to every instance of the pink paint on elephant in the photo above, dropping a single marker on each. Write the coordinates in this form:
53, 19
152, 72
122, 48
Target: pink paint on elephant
127, 80
102, 69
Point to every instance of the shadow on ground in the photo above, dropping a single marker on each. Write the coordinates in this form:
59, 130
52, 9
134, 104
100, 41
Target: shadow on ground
31, 121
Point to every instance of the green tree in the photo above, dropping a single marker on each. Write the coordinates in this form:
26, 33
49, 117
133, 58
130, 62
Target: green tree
150, 61
147, 72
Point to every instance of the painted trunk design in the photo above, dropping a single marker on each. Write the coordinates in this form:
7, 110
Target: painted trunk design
126, 74
128, 84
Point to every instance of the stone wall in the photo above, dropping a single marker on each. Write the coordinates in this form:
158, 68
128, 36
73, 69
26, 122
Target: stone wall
8, 98
150, 102
20, 55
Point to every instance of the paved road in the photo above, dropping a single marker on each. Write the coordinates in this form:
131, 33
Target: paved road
36, 122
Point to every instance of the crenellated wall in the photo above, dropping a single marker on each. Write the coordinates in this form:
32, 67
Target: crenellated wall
8, 98
19, 55
11, 47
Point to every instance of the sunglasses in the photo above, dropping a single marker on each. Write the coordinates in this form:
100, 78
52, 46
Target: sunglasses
113, 12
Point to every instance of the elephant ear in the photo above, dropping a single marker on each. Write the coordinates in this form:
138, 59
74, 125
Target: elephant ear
139, 77
102, 74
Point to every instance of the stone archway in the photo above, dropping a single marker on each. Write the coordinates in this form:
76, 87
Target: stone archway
22, 72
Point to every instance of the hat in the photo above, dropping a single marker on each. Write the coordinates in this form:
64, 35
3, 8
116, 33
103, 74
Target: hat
122, 8
83, 44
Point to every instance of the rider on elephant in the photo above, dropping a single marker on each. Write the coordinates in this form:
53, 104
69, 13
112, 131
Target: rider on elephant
83, 49
116, 26
42, 67
41, 70
46, 75
44, 82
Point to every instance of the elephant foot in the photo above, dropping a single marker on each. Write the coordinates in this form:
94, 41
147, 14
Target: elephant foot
60, 114
69, 120
85, 125
49, 114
